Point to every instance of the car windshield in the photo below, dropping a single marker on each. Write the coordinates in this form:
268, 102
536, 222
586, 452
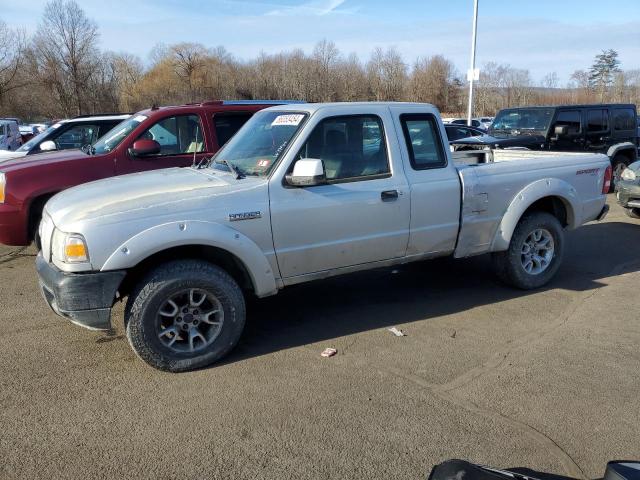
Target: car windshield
257, 146
26, 147
522, 121
113, 137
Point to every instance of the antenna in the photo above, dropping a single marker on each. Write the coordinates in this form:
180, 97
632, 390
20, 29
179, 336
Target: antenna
195, 148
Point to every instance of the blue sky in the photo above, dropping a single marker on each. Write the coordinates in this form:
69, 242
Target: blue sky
540, 35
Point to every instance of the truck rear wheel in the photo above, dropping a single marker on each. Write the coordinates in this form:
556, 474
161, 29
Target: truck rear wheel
185, 315
534, 254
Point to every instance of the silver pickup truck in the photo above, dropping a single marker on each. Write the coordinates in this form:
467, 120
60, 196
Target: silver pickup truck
302, 192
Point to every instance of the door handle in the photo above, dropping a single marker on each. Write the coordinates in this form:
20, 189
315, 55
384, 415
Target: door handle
389, 195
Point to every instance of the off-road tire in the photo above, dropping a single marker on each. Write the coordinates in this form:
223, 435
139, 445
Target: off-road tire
616, 161
632, 212
508, 264
145, 300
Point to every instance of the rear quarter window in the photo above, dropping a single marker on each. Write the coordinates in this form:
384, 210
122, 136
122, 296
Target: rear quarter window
423, 141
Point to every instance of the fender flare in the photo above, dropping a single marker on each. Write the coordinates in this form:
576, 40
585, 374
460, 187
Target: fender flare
177, 234
614, 149
546, 187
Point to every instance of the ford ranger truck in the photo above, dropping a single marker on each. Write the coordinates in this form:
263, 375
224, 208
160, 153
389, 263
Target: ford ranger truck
302, 192
159, 137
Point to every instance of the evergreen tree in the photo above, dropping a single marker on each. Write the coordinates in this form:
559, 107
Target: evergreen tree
602, 71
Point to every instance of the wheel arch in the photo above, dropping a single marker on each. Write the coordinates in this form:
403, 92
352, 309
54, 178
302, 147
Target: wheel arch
215, 243
628, 149
554, 196
34, 212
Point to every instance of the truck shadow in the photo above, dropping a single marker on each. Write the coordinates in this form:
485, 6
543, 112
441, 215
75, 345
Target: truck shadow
349, 304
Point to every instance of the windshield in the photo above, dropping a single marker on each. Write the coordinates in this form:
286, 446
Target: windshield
26, 147
113, 137
257, 146
522, 121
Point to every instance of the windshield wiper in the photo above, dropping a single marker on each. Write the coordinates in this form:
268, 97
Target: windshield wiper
239, 175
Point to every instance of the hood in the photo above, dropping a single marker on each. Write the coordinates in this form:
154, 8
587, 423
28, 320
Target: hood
8, 155
46, 158
502, 142
146, 194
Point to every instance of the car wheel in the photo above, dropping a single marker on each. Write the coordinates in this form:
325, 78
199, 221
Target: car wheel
633, 212
185, 315
618, 164
534, 254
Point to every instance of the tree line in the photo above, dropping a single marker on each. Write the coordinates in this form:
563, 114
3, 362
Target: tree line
60, 71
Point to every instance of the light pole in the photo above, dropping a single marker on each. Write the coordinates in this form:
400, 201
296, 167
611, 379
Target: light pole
471, 74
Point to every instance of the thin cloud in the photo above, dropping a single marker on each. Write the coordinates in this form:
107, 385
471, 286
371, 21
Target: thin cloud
313, 8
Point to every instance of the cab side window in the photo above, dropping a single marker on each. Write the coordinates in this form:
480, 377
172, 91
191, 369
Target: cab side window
423, 141
177, 135
570, 119
351, 147
227, 124
76, 137
597, 120
623, 119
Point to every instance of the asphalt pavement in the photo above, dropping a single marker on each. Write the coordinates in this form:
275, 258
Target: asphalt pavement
545, 380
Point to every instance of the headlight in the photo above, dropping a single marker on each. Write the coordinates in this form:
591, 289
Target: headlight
69, 247
628, 175
3, 182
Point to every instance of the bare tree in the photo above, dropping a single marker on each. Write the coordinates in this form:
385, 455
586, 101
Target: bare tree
387, 74
432, 81
12, 44
66, 46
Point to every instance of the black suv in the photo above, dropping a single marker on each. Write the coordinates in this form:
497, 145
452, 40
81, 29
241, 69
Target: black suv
603, 128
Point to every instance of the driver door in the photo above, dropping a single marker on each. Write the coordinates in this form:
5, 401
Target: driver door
360, 216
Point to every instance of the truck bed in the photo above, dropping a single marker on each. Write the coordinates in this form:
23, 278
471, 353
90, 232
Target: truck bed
477, 157
495, 180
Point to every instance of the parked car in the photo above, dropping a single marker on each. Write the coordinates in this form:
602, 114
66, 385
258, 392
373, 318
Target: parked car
486, 121
10, 138
302, 192
151, 139
456, 131
628, 190
475, 123
66, 134
27, 132
610, 129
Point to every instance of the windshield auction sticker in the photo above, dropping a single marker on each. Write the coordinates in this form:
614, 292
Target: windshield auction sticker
292, 119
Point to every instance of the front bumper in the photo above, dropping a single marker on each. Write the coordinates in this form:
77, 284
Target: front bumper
84, 298
628, 193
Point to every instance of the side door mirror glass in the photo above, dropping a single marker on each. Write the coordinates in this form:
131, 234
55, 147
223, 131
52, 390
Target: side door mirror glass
48, 146
307, 172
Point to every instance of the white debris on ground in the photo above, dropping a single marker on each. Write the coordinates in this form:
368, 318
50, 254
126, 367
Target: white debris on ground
397, 332
328, 352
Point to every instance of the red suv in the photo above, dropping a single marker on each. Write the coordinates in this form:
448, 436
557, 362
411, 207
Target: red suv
151, 139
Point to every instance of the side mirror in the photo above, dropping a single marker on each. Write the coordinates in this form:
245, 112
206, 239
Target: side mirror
561, 130
48, 146
307, 172
144, 147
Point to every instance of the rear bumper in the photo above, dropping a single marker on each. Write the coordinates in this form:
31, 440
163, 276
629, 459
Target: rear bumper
628, 194
84, 298
13, 226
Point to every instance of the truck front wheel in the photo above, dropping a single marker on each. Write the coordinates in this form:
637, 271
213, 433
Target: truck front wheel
534, 254
185, 315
